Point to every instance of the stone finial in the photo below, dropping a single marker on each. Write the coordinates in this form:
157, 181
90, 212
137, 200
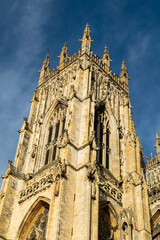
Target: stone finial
124, 73
45, 66
157, 143
25, 126
86, 40
157, 135
106, 58
64, 54
131, 124
45, 69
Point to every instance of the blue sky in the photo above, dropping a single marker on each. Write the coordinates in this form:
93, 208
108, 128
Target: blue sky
131, 29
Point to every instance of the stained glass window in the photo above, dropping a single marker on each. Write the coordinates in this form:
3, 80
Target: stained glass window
38, 230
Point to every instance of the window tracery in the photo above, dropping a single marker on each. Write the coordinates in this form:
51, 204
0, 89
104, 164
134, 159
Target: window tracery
55, 130
38, 229
102, 134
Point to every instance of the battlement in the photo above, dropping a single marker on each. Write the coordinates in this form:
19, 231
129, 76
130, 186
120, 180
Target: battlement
93, 58
152, 161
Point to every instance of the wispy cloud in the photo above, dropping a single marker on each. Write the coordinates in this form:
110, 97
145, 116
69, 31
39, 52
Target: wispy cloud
23, 41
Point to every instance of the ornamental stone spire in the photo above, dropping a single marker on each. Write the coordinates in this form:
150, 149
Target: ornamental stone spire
124, 73
45, 69
64, 53
86, 40
106, 58
63, 56
157, 144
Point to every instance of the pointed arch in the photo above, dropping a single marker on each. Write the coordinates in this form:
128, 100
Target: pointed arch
155, 219
52, 128
114, 141
108, 222
107, 137
39, 207
53, 107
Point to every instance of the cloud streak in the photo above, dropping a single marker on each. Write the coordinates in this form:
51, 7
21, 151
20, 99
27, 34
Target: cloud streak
24, 41
131, 30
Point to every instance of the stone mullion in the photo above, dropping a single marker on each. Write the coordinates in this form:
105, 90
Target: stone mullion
96, 77
60, 125
117, 106
100, 89
60, 131
50, 153
104, 146
52, 141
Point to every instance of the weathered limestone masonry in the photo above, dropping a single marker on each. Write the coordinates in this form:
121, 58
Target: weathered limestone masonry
153, 181
78, 172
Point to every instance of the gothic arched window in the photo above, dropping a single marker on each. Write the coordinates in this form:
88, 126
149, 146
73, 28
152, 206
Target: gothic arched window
102, 134
38, 229
55, 131
34, 225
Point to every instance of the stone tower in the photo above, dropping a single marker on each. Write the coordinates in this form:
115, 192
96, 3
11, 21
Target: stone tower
153, 181
78, 172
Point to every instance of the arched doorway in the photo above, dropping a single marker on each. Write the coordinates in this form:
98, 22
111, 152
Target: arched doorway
34, 225
155, 224
107, 224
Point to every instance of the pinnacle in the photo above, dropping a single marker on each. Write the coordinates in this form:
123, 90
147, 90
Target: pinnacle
106, 58
123, 67
157, 134
87, 32
86, 40
65, 44
106, 49
87, 29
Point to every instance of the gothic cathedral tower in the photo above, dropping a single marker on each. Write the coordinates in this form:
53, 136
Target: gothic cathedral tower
78, 170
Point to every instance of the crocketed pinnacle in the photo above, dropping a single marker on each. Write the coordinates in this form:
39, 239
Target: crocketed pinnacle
158, 144
45, 67
157, 134
106, 58
64, 54
86, 40
124, 73
123, 67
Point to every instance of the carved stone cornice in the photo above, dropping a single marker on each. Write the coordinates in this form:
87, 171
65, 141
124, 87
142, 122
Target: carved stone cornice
43, 179
35, 187
109, 185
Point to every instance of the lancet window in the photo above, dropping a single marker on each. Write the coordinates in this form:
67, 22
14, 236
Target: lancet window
55, 130
102, 134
